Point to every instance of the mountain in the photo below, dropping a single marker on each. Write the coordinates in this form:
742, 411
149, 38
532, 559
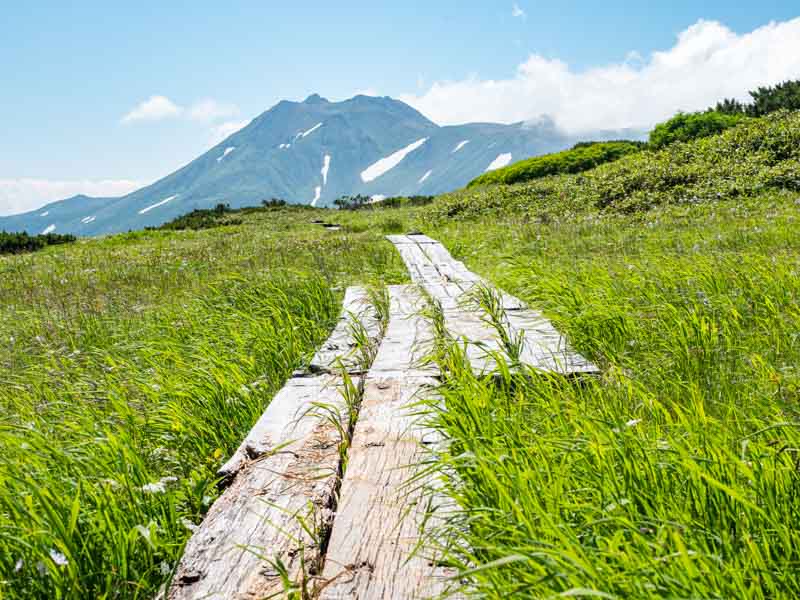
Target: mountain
310, 152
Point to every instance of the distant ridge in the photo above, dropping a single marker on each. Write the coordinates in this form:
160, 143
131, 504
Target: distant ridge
311, 152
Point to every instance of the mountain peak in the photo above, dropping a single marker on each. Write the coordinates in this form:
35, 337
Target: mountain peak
315, 99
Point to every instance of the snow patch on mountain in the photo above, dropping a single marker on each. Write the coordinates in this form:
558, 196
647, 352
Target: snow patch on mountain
45, 213
227, 151
326, 165
460, 146
157, 204
501, 161
310, 131
424, 177
388, 163
48, 229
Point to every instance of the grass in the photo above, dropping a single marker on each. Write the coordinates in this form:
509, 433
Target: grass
132, 366
675, 474
581, 157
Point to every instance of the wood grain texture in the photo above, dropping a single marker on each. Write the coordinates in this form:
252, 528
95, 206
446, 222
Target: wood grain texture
284, 473
451, 283
340, 348
255, 522
337, 352
384, 499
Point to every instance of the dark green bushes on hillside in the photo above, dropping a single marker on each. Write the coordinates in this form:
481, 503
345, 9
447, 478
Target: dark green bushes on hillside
360, 202
202, 218
16, 243
757, 156
685, 127
581, 157
766, 100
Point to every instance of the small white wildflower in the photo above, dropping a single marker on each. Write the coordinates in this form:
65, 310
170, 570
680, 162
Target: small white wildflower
633, 422
19, 565
159, 487
58, 558
154, 488
615, 505
188, 524
164, 568
144, 532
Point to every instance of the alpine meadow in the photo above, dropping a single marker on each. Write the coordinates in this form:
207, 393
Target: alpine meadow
451, 361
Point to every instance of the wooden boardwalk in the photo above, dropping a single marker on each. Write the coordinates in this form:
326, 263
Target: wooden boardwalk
377, 525
453, 286
282, 480
293, 510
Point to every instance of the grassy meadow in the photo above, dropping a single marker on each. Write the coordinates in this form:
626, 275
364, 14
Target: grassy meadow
132, 366
674, 474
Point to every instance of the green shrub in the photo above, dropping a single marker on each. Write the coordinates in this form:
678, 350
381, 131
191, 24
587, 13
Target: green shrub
203, 218
685, 127
392, 225
766, 100
758, 156
16, 243
581, 157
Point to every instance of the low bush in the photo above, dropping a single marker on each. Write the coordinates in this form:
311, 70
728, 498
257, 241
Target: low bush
392, 225
685, 127
581, 157
766, 100
757, 156
16, 243
202, 218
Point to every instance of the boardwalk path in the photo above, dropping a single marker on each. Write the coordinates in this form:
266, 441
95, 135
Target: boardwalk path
286, 478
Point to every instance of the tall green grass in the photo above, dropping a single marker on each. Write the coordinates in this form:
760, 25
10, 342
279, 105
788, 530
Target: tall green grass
130, 368
675, 473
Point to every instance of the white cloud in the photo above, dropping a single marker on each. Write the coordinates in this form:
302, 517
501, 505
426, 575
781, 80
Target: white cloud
154, 108
707, 63
211, 110
223, 130
20, 195
517, 12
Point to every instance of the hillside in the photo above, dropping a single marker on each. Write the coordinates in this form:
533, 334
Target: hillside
136, 363
310, 152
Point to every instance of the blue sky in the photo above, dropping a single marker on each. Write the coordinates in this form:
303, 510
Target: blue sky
72, 71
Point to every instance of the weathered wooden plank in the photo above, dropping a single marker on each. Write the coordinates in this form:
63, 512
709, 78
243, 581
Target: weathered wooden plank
400, 239
284, 472
420, 238
381, 510
255, 522
543, 345
450, 283
408, 339
371, 553
340, 349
